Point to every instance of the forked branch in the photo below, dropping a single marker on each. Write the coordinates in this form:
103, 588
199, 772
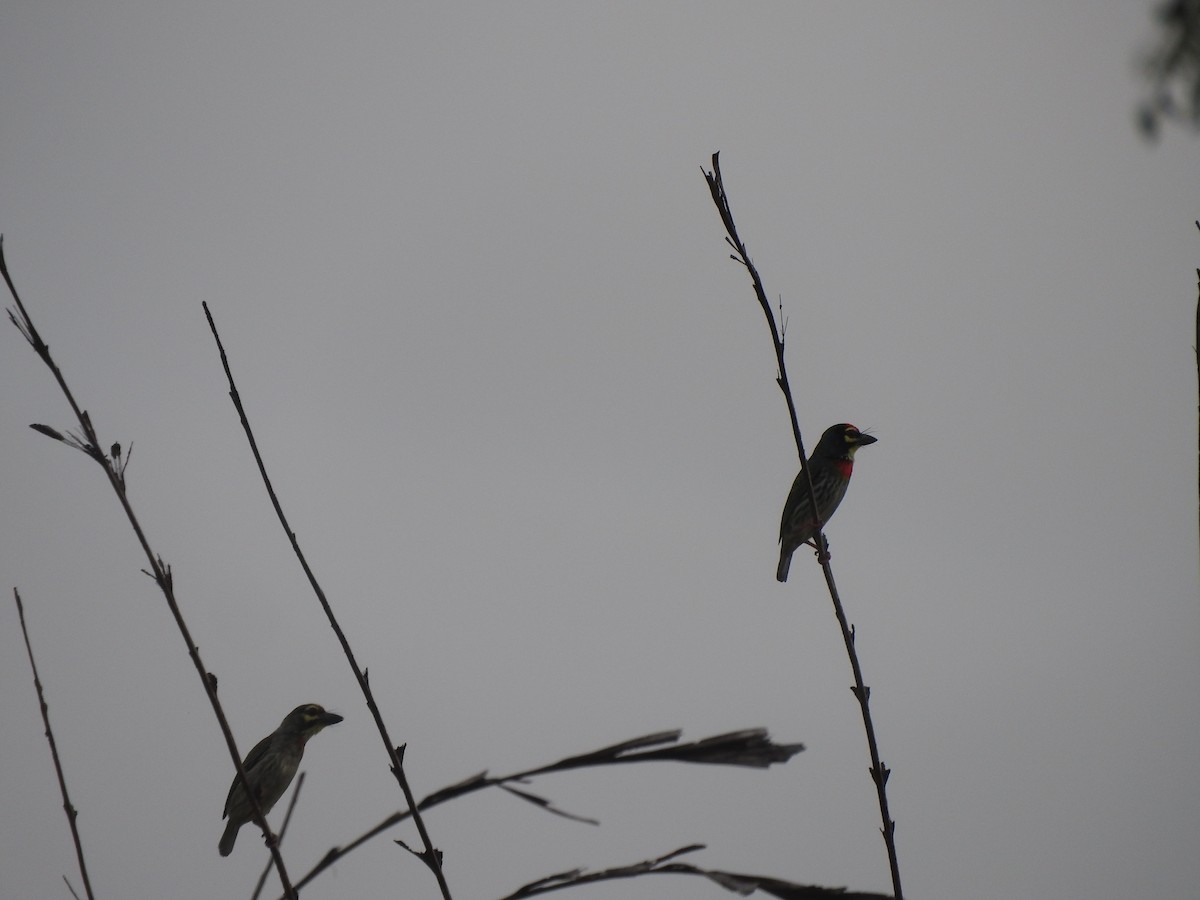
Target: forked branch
88, 442
752, 748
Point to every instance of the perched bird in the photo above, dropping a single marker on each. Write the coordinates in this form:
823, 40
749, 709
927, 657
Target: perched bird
830, 466
271, 766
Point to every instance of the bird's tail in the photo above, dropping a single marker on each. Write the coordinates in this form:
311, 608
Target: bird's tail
785, 563
227, 839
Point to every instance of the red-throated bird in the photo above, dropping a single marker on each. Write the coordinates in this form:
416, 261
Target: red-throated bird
271, 766
830, 466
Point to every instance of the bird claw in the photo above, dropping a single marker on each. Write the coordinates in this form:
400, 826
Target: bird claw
823, 555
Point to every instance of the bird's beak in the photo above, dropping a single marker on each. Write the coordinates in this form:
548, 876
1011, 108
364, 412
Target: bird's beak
866, 439
330, 719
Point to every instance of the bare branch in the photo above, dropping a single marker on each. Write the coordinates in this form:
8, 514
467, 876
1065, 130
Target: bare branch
750, 747
879, 772
736, 882
395, 754
90, 444
287, 820
68, 807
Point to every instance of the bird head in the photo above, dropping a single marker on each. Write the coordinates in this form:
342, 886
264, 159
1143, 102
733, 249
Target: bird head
307, 720
840, 442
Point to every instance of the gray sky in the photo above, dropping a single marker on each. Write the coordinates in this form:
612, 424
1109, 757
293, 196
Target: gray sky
520, 407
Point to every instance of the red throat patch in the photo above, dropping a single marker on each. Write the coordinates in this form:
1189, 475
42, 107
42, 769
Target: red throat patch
844, 467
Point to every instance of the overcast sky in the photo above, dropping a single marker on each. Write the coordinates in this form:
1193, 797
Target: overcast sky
520, 407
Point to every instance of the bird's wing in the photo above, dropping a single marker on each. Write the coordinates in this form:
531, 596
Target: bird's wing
252, 759
795, 497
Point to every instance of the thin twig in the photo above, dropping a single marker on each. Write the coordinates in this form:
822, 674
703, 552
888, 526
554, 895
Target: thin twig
89, 443
287, 820
68, 807
430, 856
879, 772
717, 189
